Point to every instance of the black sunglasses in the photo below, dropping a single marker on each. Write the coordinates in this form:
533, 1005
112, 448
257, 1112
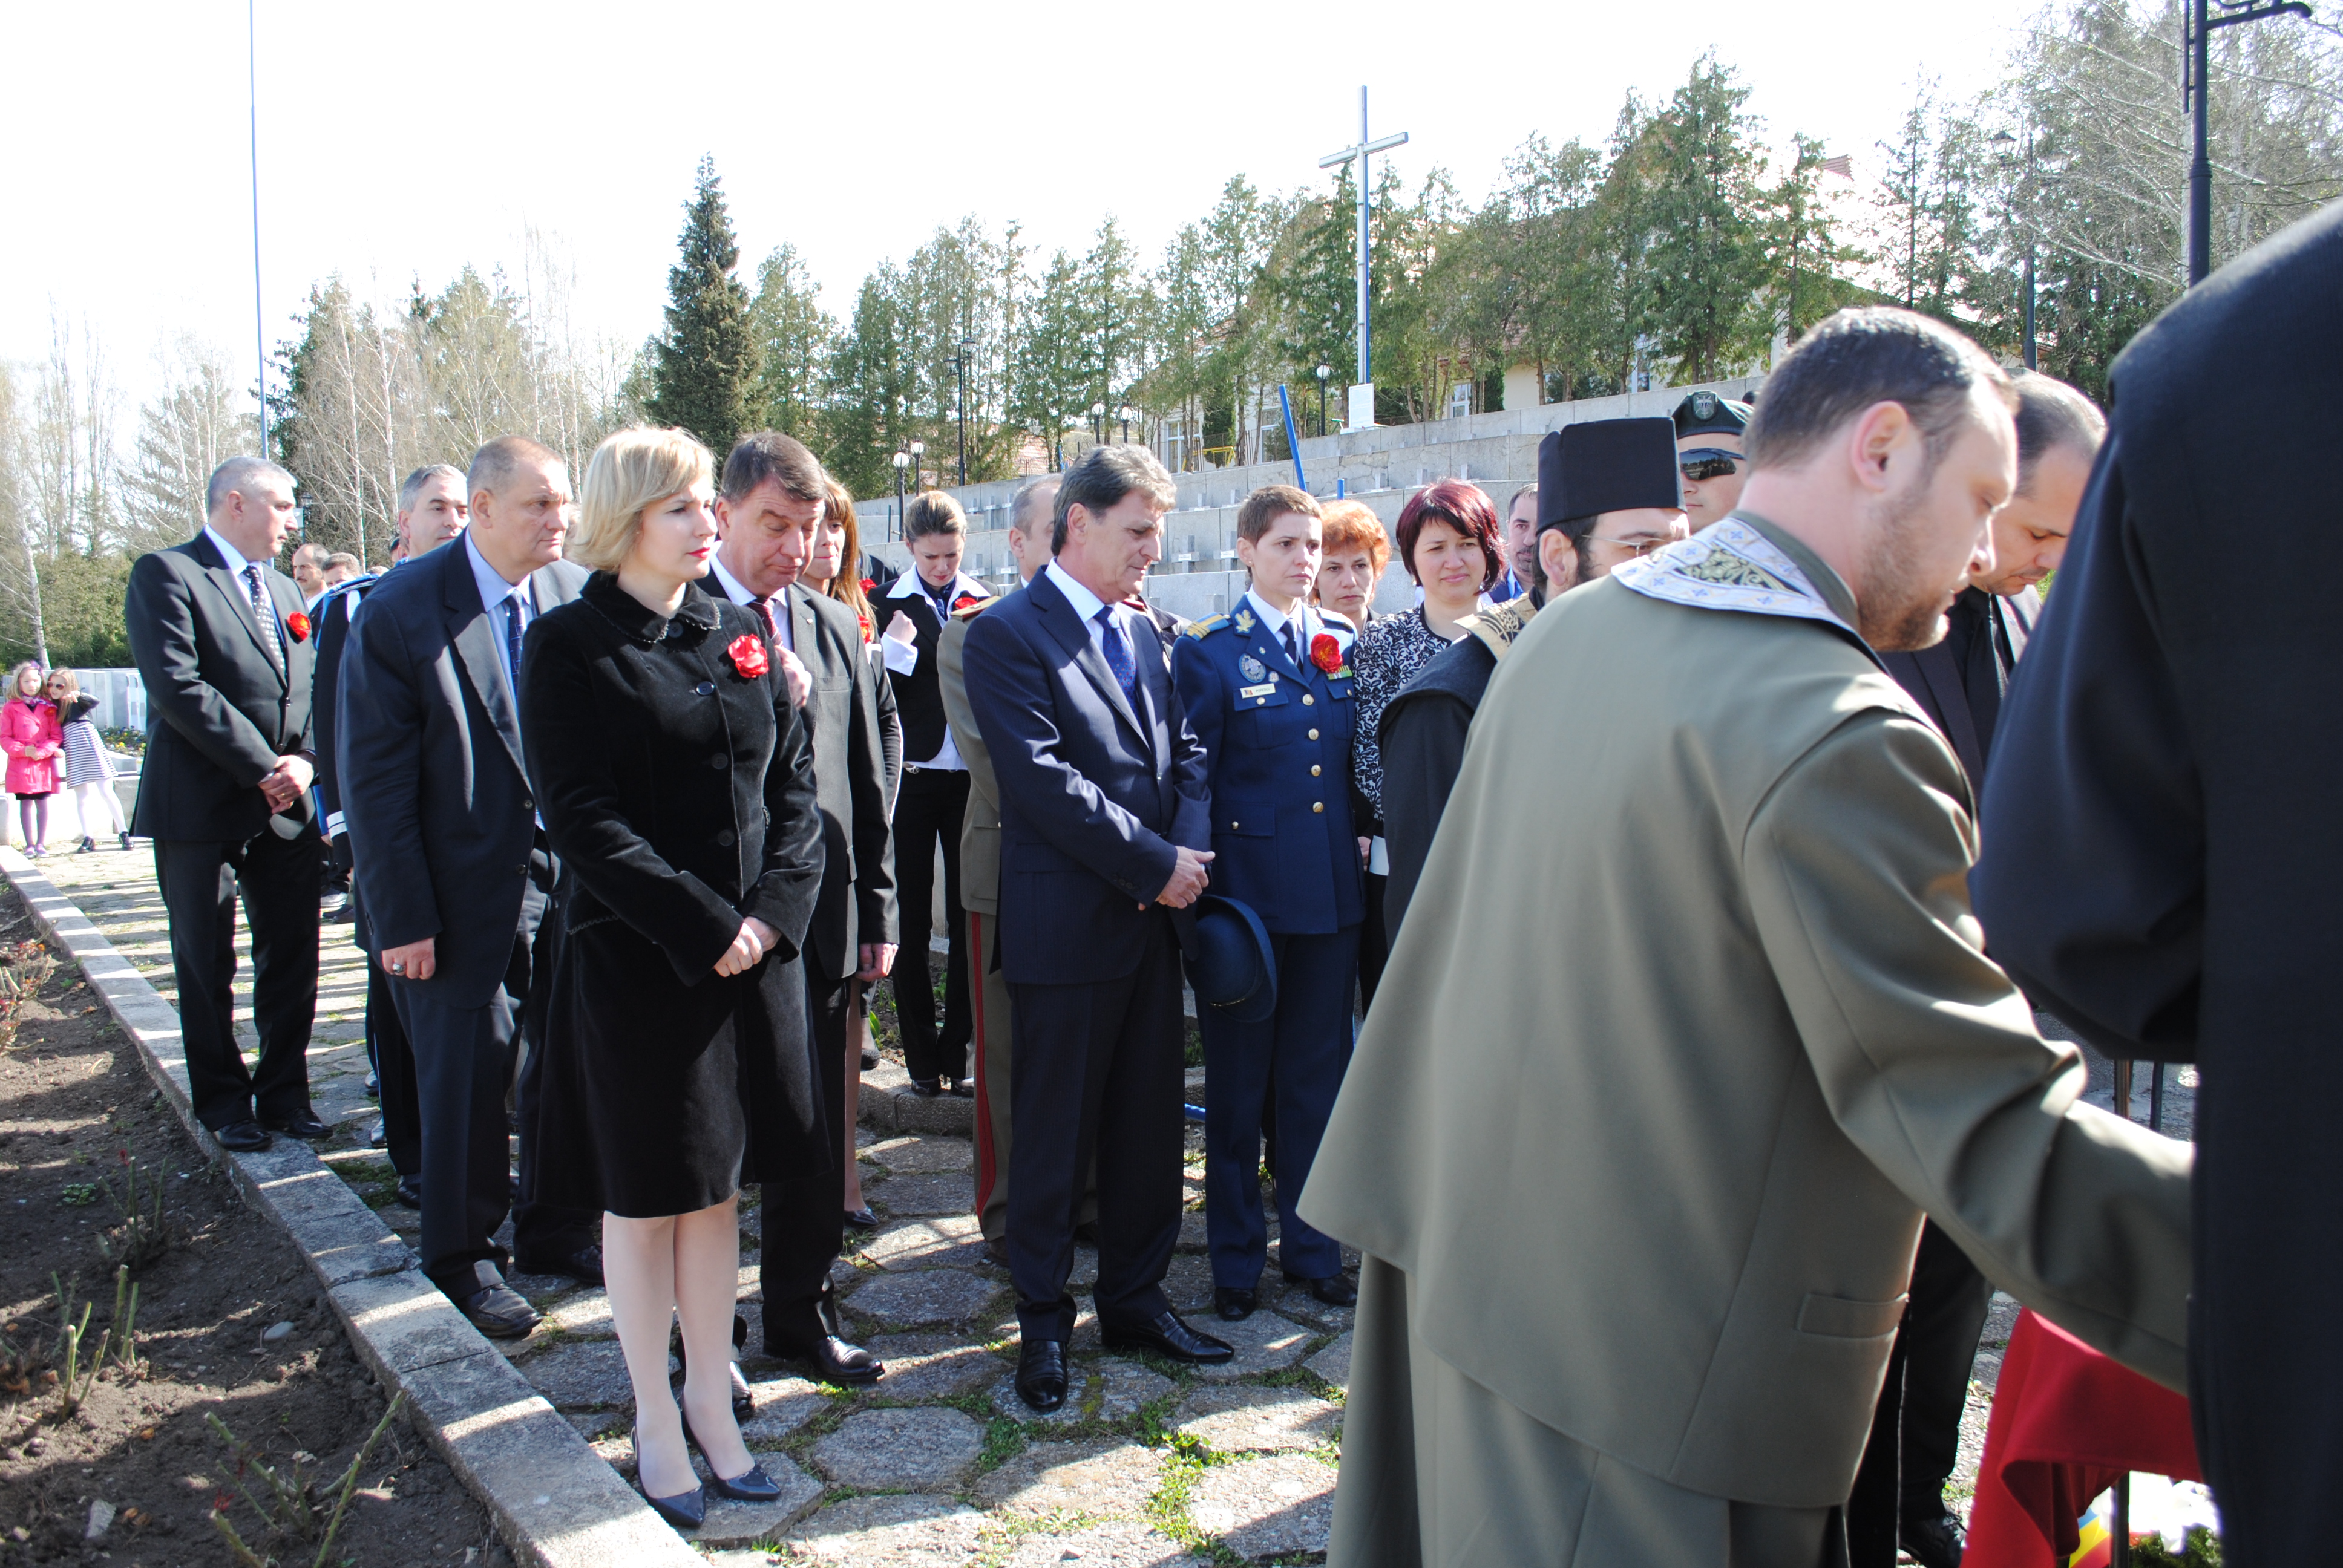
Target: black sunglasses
1708, 463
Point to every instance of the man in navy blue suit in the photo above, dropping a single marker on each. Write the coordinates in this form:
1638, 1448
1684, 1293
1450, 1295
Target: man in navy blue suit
1104, 821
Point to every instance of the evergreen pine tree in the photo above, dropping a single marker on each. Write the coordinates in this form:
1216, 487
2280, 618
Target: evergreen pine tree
705, 363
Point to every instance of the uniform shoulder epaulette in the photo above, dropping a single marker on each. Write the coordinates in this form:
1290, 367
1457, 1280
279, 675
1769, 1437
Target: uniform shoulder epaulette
1211, 623
969, 611
1497, 626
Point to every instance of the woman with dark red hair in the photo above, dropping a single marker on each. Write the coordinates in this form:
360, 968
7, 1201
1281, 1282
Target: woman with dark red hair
1448, 541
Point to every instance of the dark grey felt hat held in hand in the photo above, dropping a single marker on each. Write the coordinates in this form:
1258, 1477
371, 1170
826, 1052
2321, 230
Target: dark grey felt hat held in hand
1232, 966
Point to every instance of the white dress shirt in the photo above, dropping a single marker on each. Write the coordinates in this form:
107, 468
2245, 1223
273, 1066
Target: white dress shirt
1313, 623
737, 592
1087, 605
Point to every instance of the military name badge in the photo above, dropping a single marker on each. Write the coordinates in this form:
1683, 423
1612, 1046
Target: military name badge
1267, 688
1251, 668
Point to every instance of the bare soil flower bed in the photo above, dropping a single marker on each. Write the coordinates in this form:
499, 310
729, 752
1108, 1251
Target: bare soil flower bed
125, 1466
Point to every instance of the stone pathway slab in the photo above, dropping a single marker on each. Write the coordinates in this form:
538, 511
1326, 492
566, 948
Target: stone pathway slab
1264, 1342
932, 1296
731, 1523
900, 1450
783, 1405
1110, 1390
931, 1366
1282, 1503
1105, 1546
948, 1192
1334, 1363
921, 1156
890, 1533
1242, 1418
581, 1374
946, 1241
1106, 1479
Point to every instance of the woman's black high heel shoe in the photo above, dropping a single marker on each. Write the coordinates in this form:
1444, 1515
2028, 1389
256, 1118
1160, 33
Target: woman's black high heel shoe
753, 1486
686, 1510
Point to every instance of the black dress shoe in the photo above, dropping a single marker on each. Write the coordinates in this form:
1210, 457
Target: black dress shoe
584, 1265
1934, 1543
1168, 1337
243, 1137
963, 1089
500, 1313
834, 1360
301, 1124
862, 1219
409, 1193
1041, 1375
1234, 1303
1334, 1290
870, 1059
927, 1088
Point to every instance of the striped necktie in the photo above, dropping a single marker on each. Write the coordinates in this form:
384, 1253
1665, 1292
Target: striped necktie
265, 613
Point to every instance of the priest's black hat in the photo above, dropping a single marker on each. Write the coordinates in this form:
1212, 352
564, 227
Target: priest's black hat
1606, 465
1706, 414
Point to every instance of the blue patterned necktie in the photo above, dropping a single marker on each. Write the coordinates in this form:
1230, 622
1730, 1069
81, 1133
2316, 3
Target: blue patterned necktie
512, 642
1118, 653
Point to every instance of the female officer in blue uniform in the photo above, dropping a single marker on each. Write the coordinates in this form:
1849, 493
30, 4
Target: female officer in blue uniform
1267, 688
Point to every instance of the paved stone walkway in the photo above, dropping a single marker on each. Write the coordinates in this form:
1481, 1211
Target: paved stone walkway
1150, 1466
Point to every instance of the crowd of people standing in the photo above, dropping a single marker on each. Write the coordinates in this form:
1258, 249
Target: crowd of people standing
1638, 841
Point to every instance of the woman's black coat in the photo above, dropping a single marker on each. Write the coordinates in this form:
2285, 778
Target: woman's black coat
678, 794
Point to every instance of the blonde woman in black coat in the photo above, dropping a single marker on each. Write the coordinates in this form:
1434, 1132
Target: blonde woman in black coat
676, 783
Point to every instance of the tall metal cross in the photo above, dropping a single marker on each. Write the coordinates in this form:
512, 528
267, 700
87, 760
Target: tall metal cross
1361, 150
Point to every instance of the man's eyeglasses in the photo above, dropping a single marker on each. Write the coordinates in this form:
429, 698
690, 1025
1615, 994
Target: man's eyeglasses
1708, 463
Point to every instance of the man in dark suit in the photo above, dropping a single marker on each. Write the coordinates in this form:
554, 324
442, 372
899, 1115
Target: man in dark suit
453, 866
770, 503
1899, 1493
433, 506
934, 797
1104, 819
225, 650
2161, 847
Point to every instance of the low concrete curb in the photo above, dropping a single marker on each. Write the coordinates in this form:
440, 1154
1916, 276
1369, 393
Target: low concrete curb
555, 1503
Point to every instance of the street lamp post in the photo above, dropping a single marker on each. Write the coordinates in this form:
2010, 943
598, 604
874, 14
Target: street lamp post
1361, 150
960, 364
1123, 414
902, 460
2198, 60
2004, 141
1325, 371
919, 451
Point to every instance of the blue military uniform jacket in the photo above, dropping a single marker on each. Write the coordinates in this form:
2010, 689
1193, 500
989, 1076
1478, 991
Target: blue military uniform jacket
1277, 740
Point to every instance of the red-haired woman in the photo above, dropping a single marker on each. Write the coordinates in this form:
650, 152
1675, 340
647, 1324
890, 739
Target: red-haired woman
1448, 541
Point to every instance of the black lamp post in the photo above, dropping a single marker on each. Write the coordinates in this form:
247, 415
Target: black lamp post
902, 460
960, 364
2192, 86
1323, 372
2003, 142
919, 449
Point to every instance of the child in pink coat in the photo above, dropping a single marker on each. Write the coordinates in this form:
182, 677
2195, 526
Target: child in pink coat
32, 737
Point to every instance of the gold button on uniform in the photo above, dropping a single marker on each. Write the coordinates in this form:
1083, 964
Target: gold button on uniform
1313, 735
1308, 701
1317, 805
1313, 770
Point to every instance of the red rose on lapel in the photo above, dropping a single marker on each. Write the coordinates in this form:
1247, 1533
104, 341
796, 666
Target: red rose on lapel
298, 625
965, 600
748, 654
1326, 652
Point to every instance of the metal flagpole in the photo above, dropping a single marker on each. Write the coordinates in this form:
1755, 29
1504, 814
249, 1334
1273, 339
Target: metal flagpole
259, 326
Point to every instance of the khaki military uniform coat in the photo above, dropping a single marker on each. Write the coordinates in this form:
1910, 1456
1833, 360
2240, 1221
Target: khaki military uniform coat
1689, 1024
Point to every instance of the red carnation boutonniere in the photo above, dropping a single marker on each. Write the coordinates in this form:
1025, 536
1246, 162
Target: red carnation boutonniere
1326, 652
748, 654
870, 585
298, 625
864, 616
965, 600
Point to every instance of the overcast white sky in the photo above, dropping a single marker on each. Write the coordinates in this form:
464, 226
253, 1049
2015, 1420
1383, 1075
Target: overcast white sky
403, 140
